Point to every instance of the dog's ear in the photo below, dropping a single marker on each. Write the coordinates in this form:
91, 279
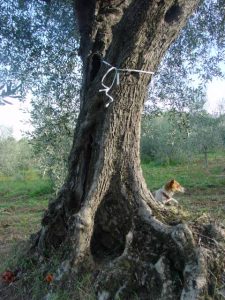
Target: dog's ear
172, 182
169, 184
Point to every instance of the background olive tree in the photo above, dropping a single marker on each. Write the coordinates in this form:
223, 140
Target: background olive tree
16, 157
164, 142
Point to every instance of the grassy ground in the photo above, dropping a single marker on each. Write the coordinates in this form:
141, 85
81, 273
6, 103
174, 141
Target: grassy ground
205, 187
23, 201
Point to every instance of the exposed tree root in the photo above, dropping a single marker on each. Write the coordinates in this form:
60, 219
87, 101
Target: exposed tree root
133, 255
162, 262
127, 237
158, 262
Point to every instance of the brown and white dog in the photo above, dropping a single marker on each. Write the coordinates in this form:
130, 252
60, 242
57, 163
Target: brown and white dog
165, 194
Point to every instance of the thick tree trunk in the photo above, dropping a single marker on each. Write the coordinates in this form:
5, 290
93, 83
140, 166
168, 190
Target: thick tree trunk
104, 212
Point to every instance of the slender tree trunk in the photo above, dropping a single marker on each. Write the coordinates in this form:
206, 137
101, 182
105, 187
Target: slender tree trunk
206, 156
104, 212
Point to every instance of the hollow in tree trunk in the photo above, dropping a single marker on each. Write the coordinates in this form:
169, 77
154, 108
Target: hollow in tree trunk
104, 212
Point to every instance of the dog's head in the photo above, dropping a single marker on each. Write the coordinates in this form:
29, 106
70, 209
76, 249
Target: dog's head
174, 186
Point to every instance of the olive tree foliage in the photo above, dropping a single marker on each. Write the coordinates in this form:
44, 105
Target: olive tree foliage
38, 48
16, 157
161, 140
5, 132
165, 143
39, 58
207, 134
39, 42
195, 58
52, 137
221, 114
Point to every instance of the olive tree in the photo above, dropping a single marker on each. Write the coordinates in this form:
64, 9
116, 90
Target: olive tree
104, 209
206, 134
104, 217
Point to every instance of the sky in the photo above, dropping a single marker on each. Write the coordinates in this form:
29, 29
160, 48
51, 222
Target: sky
215, 95
13, 116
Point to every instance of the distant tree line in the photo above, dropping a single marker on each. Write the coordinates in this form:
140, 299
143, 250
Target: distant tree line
166, 141
16, 157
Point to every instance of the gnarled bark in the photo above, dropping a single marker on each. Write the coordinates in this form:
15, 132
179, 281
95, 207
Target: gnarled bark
104, 212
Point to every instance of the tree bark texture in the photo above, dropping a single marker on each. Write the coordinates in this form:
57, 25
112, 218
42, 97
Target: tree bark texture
104, 213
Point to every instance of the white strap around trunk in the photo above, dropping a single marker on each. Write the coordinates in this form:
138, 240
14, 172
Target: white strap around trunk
115, 78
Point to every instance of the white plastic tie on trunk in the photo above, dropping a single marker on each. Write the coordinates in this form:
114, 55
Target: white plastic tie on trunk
116, 78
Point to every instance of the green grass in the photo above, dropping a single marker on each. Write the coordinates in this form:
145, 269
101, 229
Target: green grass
34, 187
23, 200
22, 203
205, 187
193, 175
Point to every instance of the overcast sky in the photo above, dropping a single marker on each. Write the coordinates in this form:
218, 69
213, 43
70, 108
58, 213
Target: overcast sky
215, 94
14, 117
